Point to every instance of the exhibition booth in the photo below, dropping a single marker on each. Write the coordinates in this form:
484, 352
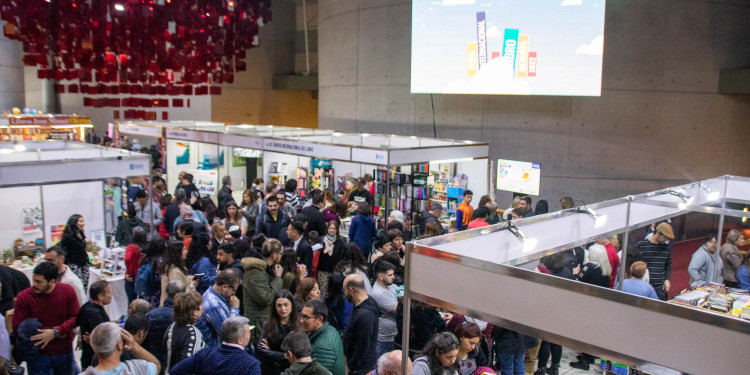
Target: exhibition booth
619, 327
43, 183
405, 171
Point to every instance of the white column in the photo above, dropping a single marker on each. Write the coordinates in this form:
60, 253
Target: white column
11, 73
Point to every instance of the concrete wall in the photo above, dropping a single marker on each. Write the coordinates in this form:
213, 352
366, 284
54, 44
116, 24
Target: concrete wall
250, 99
11, 73
659, 121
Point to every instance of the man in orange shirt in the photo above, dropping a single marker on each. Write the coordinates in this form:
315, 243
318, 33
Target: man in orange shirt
465, 207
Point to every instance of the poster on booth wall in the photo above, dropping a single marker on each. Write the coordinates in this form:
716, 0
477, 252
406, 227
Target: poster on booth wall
205, 180
56, 232
32, 220
182, 153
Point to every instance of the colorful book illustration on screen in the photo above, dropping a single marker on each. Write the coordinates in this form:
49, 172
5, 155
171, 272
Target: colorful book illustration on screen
514, 49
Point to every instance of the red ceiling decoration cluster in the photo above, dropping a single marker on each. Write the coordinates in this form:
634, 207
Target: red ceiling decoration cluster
136, 46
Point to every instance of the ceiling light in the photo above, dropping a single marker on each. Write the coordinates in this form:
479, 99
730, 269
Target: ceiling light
599, 220
119, 7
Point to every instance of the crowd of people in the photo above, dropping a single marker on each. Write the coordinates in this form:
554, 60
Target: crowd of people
269, 286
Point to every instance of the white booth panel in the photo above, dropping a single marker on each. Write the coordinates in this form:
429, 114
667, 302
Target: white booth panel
71, 154
17, 204
738, 189
425, 155
63, 200
477, 172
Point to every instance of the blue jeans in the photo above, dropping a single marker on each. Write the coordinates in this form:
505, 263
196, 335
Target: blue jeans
61, 364
510, 364
385, 347
130, 291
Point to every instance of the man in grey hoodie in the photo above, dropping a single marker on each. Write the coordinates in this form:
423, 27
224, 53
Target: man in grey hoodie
702, 266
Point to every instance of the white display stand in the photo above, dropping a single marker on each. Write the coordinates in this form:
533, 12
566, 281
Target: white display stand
600, 321
61, 178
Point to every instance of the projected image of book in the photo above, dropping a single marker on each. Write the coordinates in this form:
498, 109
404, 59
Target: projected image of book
520, 47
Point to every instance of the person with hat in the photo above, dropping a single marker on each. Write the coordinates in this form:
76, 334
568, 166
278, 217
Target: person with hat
360, 194
658, 257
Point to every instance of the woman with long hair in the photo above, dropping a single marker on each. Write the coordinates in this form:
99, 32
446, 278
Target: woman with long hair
198, 262
74, 242
291, 273
438, 357
250, 209
731, 257
328, 199
183, 339
152, 254
283, 318
232, 216
352, 261
598, 269
173, 266
333, 246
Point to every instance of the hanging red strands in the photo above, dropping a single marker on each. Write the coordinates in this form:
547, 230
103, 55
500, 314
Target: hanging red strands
148, 43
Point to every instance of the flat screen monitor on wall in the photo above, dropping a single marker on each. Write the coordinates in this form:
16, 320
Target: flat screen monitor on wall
518, 176
516, 47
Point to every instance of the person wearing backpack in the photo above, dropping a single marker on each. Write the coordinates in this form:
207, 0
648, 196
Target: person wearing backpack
147, 282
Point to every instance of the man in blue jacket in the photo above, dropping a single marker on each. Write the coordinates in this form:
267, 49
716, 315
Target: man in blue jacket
228, 358
161, 317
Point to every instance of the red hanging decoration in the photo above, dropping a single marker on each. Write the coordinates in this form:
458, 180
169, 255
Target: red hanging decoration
137, 46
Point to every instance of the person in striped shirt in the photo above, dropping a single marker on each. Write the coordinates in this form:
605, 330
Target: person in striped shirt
658, 257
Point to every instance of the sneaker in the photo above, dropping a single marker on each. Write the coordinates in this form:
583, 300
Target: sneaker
581, 365
540, 371
552, 370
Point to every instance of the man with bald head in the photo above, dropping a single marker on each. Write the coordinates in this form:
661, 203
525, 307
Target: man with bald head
390, 364
360, 337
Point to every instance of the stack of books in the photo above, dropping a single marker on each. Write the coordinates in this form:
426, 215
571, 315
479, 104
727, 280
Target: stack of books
692, 298
720, 302
745, 314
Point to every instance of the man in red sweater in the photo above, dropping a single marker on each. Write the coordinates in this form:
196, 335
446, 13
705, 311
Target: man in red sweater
56, 307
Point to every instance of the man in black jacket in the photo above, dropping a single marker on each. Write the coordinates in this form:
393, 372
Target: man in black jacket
271, 222
225, 194
92, 314
161, 317
314, 218
300, 244
431, 216
361, 335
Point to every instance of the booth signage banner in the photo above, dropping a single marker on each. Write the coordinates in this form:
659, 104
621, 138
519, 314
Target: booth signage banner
369, 156
139, 130
240, 141
307, 149
190, 135
46, 120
